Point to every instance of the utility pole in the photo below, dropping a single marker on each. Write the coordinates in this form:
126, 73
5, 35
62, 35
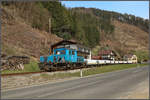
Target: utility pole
81, 75
49, 24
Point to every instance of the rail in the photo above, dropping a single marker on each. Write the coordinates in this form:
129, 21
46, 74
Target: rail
24, 73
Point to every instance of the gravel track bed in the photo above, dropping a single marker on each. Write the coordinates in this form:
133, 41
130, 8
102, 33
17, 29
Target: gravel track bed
18, 81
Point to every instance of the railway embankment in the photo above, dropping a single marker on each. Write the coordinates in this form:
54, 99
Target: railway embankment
18, 81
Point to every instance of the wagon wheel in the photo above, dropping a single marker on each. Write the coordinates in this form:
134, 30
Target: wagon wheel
74, 66
50, 69
46, 67
67, 66
84, 65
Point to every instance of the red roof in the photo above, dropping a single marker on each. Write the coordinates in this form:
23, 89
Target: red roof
96, 57
106, 52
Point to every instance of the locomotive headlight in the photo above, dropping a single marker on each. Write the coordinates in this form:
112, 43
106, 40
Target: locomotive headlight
50, 62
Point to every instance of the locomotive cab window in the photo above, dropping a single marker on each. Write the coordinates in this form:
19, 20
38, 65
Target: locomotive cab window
73, 53
69, 52
57, 53
60, 52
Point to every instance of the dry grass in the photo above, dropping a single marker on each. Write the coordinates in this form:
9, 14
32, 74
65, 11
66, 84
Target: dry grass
127, 38
20, 38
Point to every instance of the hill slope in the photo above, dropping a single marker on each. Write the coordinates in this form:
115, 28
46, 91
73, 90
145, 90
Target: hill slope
127, 39
27, 33
19, 38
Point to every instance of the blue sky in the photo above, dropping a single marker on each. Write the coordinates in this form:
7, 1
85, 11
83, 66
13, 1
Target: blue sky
137, 8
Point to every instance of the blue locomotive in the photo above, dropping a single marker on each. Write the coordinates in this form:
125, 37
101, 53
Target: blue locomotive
61, 57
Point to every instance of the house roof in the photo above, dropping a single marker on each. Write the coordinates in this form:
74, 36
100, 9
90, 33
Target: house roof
63, 42
105, 52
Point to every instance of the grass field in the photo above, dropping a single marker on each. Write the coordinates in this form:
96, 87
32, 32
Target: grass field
109, 68
33, 67
92, 71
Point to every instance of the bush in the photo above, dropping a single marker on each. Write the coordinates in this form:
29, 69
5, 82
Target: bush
142, 55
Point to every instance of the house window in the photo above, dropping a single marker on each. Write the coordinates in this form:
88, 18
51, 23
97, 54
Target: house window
134, 59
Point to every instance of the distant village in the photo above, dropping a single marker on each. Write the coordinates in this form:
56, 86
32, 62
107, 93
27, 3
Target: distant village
111, 55
86, 52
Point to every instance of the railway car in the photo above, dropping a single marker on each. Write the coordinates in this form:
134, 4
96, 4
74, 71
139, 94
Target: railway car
61, 57
90, 62
116, 62
107, 61
125, 62
112, 62
129, 62
120, 62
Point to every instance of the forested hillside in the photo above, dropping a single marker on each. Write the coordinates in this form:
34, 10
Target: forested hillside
88, 26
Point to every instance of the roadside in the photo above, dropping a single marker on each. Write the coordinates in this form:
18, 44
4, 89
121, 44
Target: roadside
141, 91
9, 82
31, 67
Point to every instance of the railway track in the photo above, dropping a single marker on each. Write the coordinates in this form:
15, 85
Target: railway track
26, 73
59, 69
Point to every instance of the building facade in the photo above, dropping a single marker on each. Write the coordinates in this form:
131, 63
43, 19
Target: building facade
107, 55
131, 57
81, 50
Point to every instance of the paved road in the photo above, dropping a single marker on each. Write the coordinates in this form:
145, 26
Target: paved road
107, 85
